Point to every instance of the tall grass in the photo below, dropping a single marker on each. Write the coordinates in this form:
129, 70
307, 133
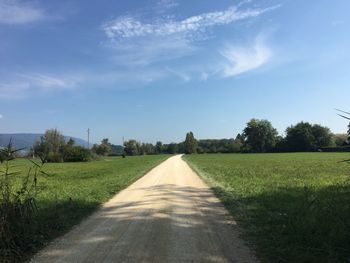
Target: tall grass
17, 206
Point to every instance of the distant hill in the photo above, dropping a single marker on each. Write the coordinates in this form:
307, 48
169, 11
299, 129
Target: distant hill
26, 140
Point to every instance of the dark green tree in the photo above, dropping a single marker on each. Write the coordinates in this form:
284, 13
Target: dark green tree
260, 135
159, 147
323, 136
190, 143
307, 137
132, 147
300, 137
172, 148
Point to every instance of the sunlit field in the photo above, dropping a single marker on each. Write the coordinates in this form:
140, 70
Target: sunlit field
293, 207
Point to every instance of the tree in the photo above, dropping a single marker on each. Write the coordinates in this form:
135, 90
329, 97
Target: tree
159, 147
260, 135
49, 148
172, 148
300, 137
190, 143
341, 139
307, 137
236, 146
132, 147
147, 148
70, 142
323, 136
102, 149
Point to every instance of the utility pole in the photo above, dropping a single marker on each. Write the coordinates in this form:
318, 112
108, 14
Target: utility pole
123, 140
88, 132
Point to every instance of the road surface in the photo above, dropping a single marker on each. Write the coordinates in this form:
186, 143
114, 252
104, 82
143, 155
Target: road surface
169, 215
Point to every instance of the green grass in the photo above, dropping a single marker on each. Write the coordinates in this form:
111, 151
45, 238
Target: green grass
292, 207
72, 191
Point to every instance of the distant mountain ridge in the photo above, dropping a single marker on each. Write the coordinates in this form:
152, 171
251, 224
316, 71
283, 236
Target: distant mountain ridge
27, 140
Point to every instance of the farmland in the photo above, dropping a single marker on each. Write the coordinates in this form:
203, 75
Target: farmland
292, 207
71, 191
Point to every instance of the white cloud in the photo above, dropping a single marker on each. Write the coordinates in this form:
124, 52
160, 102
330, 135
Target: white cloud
22, 85
165, 5
49, 82
19, 12
241, 59
152, 50
1, 116
138, 43
183, 76
128, 26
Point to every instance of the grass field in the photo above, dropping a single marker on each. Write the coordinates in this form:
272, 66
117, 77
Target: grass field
292, 207
71, 191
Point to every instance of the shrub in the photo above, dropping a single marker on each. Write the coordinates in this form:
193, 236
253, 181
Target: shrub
77, 154
54, 158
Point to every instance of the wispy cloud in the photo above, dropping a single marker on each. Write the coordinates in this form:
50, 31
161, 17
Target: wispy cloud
151, 50
1, 116
165, 5
49, 82
241, 59
22, 85
139, 43
20, 12
128, 26
183, 76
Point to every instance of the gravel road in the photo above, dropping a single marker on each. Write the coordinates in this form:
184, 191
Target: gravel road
169, 215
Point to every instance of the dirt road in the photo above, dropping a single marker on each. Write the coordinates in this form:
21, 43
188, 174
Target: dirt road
169, 215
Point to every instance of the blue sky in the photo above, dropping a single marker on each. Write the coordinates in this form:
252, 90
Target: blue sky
155, 69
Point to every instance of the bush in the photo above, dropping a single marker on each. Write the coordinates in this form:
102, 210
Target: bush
77, 154
336, 149
53, 157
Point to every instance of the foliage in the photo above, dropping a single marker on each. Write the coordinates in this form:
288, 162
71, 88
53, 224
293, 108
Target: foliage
159, 147
116, 150
53, 148
76, 154
50, 145
147, 148
171, 148
341, 139
104, 148
215, 146
132, 147
307, 137
294, 207
260, 136
190, 143
18, 209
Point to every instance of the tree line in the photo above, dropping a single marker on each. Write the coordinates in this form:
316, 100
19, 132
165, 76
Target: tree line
258, 136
